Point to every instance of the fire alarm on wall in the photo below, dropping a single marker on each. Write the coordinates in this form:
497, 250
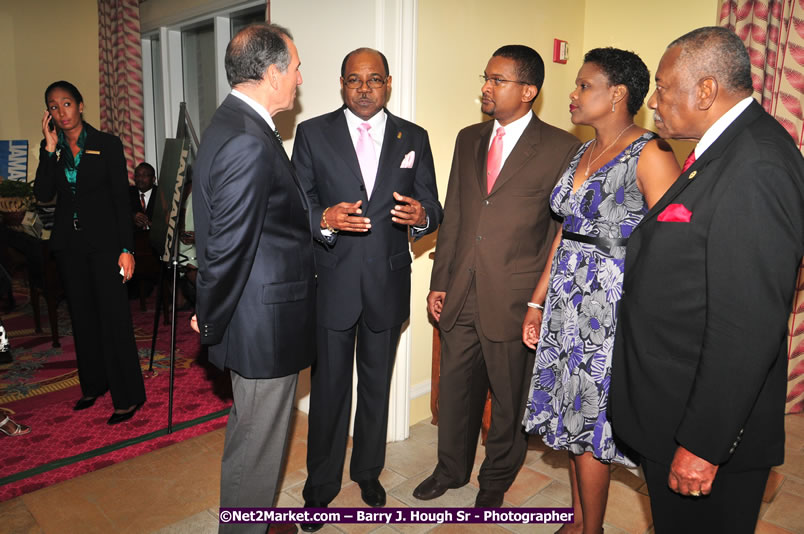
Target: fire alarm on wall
560, 51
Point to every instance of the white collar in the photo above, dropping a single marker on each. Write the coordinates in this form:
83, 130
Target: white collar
514, 129
720, 125
256, 106
377, 122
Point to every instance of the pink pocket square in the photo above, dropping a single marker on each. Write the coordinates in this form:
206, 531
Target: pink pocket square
675, 213
407, 161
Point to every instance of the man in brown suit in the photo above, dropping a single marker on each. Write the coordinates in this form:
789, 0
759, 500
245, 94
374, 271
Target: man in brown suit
492, 248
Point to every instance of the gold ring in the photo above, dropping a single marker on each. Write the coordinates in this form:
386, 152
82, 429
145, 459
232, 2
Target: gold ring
696, 493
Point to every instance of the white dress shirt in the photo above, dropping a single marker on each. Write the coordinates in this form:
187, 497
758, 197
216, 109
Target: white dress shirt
376, 132
720, 125
512, 134
256, 106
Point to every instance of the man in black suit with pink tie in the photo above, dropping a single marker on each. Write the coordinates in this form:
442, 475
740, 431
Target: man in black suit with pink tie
700, 361
370, 179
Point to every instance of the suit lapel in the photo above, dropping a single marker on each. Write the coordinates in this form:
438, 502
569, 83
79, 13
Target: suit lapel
341, 142
697, 170
522, 152
391, 153
260, 124
481, 154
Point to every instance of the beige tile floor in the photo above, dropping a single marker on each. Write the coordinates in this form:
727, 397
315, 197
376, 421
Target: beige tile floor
175, 491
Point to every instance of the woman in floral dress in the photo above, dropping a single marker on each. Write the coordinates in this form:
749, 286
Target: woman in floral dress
607, 189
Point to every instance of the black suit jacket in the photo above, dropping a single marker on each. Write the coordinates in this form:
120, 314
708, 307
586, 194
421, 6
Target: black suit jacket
700, 355
368, 273
136, 205
101, 196
256, 280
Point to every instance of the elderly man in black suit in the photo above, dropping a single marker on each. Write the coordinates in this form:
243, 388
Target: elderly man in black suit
699, 370
371, 183
256, 281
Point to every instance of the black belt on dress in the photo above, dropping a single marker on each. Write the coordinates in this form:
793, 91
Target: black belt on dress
604, 243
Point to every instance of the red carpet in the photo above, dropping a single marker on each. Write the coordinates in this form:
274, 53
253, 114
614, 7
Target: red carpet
41, 386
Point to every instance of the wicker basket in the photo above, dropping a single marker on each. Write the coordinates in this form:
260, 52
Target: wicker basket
15, 204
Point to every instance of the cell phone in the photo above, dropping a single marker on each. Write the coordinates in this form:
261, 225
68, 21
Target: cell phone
50, 125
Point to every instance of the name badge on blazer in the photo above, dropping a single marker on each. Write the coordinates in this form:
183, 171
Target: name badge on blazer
93, 152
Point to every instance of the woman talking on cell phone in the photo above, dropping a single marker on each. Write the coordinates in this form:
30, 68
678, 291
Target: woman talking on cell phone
92, 241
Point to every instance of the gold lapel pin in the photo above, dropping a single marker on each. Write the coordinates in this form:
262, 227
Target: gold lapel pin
95, 152
399, 135
692, 175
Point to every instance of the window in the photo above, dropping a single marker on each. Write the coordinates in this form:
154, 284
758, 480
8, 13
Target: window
183, 62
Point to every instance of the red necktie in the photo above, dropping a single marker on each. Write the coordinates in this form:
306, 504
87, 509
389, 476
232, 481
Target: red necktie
689, 161
494, 161
142, 201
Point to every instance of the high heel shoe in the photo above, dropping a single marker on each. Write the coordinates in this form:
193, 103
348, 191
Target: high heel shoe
84, 403
125, 416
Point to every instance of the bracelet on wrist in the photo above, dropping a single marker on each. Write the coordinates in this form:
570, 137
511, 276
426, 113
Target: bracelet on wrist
126, 251
535, 305
326, 224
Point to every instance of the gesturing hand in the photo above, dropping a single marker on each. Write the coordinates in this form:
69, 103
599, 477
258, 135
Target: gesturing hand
342, 217
409, 211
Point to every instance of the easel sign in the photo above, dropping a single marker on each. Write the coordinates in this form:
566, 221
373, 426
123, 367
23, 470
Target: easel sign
164, 225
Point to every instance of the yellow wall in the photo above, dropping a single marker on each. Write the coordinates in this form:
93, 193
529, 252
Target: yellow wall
55, 40
456, 38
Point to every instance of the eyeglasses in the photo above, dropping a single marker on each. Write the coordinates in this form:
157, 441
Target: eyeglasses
375, 82
496, 81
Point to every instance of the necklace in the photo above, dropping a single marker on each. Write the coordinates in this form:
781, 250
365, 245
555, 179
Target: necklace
594, 145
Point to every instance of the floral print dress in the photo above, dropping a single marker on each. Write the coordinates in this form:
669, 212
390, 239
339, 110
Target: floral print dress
570, 386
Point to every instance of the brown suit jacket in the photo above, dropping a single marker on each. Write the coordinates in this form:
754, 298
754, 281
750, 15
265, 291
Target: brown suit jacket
501, 239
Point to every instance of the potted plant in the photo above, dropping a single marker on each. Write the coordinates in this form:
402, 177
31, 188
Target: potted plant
16, 197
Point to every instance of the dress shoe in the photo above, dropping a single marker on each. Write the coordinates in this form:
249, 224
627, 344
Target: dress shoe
282, 528
372, 492
84, 403
312, 527
125, 416
430, 488
489, 498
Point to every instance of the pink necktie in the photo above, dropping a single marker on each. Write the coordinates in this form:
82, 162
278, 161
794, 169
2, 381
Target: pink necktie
366, 157
494, 161
689, 161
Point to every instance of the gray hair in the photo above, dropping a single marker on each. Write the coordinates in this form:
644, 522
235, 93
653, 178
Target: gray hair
255, 48
717, 52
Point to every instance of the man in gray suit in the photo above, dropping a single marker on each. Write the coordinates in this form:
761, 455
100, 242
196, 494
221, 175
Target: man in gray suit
256, 279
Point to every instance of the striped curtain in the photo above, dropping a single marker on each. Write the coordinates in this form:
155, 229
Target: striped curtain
121, 101
773, 33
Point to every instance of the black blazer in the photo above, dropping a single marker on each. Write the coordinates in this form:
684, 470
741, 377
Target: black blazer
700, 355
364, 273
256, 279
136, 205
101, 196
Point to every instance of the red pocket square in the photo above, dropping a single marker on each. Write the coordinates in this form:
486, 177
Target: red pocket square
675, 213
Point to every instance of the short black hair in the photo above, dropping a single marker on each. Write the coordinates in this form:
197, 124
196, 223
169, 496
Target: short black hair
623, 67
148, 166
67, 86
255, 48
718, 52
365, 49
529, 64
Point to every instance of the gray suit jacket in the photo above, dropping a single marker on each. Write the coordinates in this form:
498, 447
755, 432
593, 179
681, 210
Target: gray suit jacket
256, 279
